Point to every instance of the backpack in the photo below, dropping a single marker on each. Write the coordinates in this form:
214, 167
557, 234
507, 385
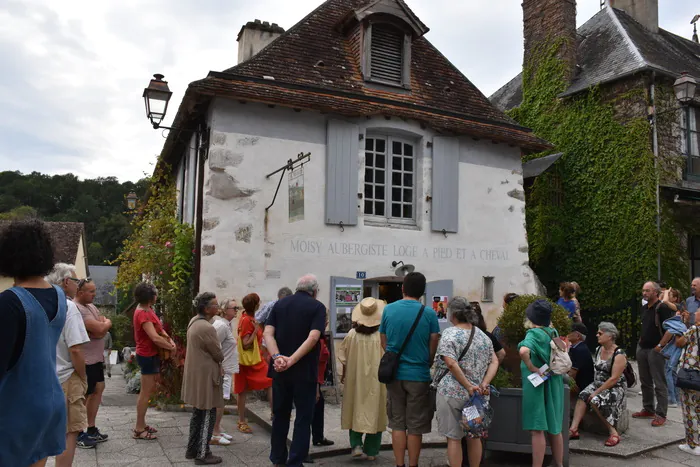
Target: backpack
559, 360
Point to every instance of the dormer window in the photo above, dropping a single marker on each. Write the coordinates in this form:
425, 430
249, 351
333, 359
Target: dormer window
389, 51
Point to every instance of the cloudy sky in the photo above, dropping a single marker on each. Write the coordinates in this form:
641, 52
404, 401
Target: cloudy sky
72, 72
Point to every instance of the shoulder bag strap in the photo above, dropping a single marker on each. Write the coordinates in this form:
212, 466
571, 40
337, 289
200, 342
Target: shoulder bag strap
410, 333
461, 356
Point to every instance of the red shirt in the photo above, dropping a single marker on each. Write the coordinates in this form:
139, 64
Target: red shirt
144, 345
323, 361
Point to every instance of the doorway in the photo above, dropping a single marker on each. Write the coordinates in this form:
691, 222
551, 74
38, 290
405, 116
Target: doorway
388, 289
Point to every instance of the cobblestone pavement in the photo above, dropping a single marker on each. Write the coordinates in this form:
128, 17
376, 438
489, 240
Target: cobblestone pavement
117, 415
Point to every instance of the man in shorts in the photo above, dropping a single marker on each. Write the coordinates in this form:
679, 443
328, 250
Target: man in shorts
70, 363
409, 406
97, 327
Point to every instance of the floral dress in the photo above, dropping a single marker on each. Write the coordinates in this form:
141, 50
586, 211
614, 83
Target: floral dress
690, 399
610, 402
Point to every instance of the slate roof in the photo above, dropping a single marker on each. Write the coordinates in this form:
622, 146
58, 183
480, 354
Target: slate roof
440, 95
612, 46
66, 239
104, 277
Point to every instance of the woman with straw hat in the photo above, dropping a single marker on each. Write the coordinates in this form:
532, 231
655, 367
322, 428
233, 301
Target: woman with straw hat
364, 397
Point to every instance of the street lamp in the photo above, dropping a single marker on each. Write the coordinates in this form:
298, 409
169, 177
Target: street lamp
156, 97
131, 199
684, 87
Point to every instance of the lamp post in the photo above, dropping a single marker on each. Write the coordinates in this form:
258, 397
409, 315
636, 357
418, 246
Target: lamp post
156, 97
131, 199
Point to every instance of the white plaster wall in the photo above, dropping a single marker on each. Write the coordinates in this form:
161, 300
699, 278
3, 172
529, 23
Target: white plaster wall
252, 140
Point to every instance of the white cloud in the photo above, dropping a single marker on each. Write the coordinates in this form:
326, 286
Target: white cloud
74, 71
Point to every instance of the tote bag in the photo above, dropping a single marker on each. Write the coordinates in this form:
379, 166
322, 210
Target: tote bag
251, 356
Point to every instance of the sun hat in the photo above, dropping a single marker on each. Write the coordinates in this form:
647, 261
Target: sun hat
368, 312
539, 312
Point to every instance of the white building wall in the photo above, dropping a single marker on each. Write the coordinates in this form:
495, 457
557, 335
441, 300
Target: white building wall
246, 250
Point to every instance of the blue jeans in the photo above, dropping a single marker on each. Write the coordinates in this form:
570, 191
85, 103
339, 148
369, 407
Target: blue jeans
671, 370
302, 395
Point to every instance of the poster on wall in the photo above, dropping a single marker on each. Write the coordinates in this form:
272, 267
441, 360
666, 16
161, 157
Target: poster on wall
346, 298
296, 195
439, 303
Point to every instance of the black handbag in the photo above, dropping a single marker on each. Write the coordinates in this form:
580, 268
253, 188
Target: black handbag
688, 379
389, 364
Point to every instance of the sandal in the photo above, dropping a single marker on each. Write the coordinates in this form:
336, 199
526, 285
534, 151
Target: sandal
244, 428
144, 434
573, 434
614, 440
150, 429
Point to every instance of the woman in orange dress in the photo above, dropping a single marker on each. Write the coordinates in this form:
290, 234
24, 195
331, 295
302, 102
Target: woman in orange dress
250, 378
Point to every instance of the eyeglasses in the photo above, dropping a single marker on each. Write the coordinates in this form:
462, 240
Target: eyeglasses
235, 308
74, 279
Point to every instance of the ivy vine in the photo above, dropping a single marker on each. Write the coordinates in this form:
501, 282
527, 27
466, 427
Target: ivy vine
601, 229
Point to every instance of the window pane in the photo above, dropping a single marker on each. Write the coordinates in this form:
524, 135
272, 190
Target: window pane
369, 175
369, 144
408, 164
396, 194
396, 163
396, 148
408, 196
379, 192
369, 159
379, 177
380, 145
407, 150
395, 210
380, 161
407, 179
369, 192
368, 207
396, 179
407, 211
379, 208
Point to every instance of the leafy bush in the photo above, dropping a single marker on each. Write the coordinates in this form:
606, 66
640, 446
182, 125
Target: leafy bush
512, 320
506, 379
122, 332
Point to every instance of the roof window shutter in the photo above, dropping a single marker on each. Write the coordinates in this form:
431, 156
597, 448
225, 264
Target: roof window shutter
445, 203
386, 53
342, 168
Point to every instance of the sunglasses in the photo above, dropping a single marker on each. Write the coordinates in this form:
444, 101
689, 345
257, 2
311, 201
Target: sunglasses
235, 308
82, 282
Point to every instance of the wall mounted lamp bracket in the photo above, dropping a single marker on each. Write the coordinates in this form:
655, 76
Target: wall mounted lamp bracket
290, 165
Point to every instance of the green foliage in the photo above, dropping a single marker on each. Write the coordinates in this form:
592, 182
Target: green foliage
601, 228
506, 379
513, 318
122, 333
98, 203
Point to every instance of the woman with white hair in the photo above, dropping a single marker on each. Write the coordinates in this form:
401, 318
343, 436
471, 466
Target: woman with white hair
465, 363
606, 394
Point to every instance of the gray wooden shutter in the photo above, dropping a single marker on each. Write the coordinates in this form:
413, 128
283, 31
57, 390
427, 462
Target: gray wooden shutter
445, 203
444, 288
342, 168
387, 53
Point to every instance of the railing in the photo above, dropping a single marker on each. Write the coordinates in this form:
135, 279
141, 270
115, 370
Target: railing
625, 316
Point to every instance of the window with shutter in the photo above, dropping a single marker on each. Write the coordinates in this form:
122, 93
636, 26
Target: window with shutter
386, 54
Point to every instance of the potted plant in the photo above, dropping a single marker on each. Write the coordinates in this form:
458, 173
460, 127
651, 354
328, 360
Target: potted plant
505, 432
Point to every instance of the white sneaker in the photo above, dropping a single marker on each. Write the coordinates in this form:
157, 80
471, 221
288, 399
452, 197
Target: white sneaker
219, 440
673, 404
686, 448
356, 451
226, 435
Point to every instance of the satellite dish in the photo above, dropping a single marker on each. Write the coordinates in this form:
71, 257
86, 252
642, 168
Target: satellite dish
405, 269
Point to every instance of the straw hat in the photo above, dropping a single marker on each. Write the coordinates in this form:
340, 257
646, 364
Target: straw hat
368, 312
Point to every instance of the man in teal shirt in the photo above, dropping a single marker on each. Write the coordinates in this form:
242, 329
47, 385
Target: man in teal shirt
409, 408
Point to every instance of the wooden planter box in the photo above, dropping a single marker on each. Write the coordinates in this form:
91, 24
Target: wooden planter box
505, 432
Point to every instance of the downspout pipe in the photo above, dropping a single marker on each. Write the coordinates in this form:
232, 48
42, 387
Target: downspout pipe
655, 146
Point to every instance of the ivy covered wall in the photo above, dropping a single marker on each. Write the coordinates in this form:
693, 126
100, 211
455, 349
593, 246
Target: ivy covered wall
592, 218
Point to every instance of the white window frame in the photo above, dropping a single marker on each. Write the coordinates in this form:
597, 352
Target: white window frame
387, 218
689, 124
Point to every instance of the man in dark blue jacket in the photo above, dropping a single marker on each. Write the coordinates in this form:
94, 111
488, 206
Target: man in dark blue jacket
581, 360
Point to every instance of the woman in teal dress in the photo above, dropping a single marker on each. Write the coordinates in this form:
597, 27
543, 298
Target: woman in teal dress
543, 406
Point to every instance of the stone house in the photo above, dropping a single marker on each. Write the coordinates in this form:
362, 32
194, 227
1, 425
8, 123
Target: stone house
69, 247
409, 165
622, 54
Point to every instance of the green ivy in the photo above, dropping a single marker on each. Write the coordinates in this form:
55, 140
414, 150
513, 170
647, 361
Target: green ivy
602, 233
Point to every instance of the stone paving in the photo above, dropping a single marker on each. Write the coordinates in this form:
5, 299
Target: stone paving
117, 416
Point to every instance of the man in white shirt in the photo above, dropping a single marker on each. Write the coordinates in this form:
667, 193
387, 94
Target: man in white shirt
222, 325
70, 363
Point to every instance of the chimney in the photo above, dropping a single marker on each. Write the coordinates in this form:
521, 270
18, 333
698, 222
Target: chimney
645, 12
551, 20
255, 36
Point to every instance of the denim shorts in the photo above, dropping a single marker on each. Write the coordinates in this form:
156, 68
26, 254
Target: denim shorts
148, 365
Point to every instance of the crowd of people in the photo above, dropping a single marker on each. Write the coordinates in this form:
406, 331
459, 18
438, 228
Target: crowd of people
52, 334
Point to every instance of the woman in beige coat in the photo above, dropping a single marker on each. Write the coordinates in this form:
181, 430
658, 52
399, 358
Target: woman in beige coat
364, 397
202, 380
